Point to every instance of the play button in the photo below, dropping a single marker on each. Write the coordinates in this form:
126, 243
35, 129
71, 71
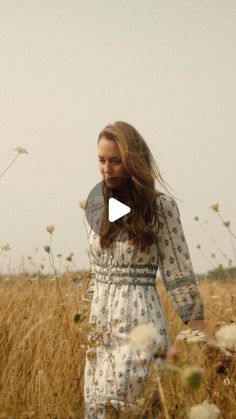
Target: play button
116, 209
102, 207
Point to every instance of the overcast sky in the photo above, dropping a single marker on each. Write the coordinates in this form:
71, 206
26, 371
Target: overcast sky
70, 67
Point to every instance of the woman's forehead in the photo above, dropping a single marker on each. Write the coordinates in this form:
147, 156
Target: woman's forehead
108, 148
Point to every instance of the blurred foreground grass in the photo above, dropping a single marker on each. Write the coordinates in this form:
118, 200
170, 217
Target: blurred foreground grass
42, 348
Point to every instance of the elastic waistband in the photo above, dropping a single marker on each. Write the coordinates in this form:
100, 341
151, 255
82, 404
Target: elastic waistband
128, 281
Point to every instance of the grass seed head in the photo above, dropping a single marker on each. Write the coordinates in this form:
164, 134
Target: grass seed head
20, 150
47, 248
215, 207
50, 229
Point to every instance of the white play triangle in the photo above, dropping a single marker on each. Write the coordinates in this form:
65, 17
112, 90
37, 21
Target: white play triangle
116, 209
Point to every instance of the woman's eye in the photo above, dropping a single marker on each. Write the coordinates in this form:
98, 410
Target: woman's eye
114, 161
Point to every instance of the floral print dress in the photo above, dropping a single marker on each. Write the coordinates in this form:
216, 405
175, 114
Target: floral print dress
123, 295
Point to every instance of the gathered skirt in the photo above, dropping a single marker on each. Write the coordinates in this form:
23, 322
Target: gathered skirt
115, 370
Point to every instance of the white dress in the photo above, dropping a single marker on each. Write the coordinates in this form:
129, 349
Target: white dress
123, 295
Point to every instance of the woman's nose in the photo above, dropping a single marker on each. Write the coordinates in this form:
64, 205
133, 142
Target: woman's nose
107, 167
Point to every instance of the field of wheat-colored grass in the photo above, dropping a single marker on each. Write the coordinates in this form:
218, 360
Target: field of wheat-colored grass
43, 329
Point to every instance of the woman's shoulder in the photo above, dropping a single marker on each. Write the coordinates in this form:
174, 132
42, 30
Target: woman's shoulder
166, 203
163, 198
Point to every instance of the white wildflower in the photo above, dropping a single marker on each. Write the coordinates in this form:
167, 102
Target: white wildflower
82, 204
50, 229
143, 335
5, 247
226, 336
20, 150
204, 410
183, 334
191, 335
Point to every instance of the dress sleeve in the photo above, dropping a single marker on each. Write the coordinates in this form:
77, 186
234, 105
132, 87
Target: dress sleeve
175, 264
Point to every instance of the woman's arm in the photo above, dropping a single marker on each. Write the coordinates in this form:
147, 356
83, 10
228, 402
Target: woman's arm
177, 270
175, 264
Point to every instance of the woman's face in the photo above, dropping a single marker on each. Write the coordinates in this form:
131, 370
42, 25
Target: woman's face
110, 164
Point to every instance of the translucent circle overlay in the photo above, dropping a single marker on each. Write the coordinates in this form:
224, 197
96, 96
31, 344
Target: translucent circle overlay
95, 210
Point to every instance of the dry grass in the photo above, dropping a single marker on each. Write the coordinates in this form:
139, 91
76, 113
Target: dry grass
42, 359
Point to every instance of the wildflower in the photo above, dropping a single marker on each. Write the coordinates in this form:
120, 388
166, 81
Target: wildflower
226, 223
226, 336
192, 377
215, 207
82, 204
20, 150
46, 248
191, 335
204, 410
5, 247
143, 335
50, 229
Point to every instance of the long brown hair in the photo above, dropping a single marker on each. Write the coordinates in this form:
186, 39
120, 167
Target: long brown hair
140, 164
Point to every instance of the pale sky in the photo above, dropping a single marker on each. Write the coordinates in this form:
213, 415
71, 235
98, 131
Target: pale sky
70, 67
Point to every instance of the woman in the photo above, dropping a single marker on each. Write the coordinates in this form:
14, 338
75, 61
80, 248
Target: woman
124, 258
